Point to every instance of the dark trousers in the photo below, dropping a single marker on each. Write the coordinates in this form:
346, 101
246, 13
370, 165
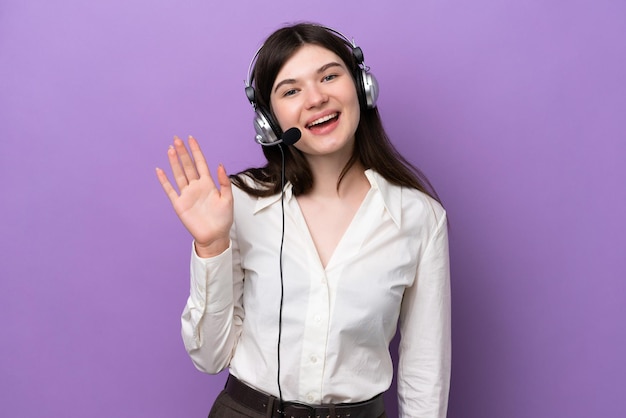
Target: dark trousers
227, 407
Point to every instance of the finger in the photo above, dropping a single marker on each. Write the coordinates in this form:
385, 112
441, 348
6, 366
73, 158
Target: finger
198, 157
189, 167
167, 187
177, 170
225, 185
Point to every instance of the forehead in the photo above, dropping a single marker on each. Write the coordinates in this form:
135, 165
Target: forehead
305, 61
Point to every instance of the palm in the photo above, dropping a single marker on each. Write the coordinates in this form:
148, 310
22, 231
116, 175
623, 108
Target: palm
204, 209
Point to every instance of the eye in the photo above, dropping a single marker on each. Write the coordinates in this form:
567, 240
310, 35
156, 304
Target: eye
330, 77
290, 92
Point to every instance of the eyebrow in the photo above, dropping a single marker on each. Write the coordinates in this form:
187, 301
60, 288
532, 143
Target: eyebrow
319, 71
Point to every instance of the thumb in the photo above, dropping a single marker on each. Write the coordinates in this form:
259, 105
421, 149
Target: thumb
224, 181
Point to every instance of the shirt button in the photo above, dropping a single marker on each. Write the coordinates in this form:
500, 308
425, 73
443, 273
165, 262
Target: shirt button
317, 318
313, 359
310, 398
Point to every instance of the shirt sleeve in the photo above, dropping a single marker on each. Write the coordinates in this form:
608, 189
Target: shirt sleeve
425, 326
213, 316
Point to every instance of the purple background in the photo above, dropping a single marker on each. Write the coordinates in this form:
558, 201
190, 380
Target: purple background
515, 110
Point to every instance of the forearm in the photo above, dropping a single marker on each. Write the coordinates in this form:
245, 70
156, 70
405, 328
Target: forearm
212, 318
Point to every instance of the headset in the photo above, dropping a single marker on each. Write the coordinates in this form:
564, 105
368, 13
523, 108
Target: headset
267, 129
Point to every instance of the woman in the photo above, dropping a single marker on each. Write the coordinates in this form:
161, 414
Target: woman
298, 287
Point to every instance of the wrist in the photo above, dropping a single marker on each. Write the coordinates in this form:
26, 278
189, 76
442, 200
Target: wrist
212, 249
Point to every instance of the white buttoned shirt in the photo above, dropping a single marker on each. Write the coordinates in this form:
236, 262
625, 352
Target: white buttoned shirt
337, 322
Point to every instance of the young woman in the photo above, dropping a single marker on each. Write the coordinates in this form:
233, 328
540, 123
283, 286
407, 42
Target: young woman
297, 284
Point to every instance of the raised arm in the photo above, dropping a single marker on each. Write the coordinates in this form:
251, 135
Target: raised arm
213, 314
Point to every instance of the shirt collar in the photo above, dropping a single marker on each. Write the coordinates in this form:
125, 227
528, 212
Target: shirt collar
264, 202
391, 196
390, 193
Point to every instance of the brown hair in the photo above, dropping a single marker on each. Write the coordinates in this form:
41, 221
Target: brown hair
372, 149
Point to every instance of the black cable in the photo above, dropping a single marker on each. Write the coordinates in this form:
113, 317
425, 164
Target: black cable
290, 137
280, 258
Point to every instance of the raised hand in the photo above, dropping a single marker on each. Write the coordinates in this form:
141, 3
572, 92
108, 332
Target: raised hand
204, 209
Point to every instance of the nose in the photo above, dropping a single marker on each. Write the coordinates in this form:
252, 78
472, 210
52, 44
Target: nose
315, 96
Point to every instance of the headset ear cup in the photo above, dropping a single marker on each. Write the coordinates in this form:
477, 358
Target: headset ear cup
250, 94
367, 86
370, 89
267, 131
367, 89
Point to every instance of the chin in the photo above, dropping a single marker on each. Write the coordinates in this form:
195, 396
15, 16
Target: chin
325, 146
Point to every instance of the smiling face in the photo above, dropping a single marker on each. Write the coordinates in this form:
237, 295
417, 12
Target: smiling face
314, 91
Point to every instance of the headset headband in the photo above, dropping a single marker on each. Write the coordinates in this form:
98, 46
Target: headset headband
356, 52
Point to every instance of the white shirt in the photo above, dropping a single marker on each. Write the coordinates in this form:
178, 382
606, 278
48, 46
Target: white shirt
338, 321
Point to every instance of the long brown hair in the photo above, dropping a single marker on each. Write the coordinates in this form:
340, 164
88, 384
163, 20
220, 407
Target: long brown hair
372, 149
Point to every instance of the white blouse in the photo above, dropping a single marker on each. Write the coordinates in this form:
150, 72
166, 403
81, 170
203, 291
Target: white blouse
338, 321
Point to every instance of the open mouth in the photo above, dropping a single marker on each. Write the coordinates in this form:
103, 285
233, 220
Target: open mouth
323, 121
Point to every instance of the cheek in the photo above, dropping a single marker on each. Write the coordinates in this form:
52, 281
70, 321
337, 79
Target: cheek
355, 100
283, 115
352, 97
355, 114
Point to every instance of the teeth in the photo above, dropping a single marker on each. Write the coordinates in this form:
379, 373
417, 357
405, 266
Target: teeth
323, 119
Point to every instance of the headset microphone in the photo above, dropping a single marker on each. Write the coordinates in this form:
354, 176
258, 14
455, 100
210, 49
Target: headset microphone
290, 137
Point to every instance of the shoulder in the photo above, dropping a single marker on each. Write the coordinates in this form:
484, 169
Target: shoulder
418, 203
408, 205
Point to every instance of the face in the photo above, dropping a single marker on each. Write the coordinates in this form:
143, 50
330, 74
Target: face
314, 91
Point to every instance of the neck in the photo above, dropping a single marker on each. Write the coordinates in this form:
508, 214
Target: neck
326, 173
